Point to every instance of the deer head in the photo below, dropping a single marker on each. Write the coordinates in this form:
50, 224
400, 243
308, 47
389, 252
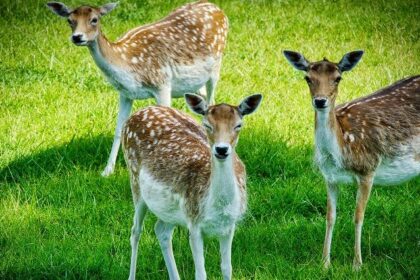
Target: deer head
223, 122
84, 20
323, 76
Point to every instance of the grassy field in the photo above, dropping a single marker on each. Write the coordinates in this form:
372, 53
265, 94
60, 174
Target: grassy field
59, 219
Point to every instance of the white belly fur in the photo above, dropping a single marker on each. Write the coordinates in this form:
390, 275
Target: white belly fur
401, 168
390, 171
190, 78
165, 204
183, 79
170, 207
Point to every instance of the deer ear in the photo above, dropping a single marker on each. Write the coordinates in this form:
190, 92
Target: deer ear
297, 60
104, 9
350, 60
250, 104
59, 9
196, 103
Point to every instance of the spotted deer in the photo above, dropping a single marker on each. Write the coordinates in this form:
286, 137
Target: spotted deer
371, 140
186, 177
182, 53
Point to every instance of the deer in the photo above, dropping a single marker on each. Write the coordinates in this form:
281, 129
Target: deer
188, 175
181, 53
372, 140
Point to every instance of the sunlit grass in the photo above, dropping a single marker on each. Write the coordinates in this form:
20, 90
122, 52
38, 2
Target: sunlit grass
60, 219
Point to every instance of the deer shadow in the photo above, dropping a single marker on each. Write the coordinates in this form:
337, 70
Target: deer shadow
270, 158
77, 154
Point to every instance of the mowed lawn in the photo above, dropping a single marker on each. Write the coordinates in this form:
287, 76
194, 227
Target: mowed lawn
59, 219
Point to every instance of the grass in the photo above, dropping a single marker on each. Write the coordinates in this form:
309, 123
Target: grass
60, 220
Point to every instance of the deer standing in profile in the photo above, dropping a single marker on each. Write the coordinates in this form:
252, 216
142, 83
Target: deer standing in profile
187, 178
179, 54
371, 140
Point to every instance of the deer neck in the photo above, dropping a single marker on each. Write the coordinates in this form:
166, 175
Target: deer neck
223, 187
328, 135
104, 54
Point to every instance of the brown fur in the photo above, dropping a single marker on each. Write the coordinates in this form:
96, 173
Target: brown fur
174, 148
379, 123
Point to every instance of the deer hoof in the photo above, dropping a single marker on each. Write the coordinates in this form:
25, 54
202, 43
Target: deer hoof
109, 169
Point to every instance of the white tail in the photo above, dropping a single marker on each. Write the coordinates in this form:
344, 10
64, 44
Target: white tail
371, 140
179, 54
186, 178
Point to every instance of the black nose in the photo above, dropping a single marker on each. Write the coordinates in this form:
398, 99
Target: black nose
77, 38
222, 151
320, 102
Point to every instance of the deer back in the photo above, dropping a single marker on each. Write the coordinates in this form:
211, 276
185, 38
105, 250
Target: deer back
195, 31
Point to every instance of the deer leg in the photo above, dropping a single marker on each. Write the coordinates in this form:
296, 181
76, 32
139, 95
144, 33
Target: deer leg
202, 92
140, 210
123, 113
332, 192
197, 248
164, 234
164, 96
363, 193
226, 254
210, 88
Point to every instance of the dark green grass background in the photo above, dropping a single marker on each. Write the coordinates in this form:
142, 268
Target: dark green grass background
60, 220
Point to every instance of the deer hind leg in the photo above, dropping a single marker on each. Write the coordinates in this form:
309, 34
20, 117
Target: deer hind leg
212, 82
210, 89
363, 193
164, 233
123, 113
202, 92
140, 210
332, 192
164, 96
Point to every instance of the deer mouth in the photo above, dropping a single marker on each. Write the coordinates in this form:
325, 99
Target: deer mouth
81, 43
221, 157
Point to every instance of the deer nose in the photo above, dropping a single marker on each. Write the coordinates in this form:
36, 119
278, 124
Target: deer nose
320, 102
76, 38
221, 151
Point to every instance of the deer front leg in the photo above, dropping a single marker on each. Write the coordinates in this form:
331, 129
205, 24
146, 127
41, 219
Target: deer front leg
363, 193
226, 254
332, 192
123, 113
197, 248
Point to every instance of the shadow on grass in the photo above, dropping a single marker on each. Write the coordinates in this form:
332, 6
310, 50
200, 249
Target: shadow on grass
83, 153
263, 156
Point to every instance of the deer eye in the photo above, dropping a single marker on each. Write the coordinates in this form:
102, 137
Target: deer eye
238, 127
308, 80
94, 21
337, 80
71, 22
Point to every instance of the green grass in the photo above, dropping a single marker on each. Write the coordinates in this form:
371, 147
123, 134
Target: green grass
59, 219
